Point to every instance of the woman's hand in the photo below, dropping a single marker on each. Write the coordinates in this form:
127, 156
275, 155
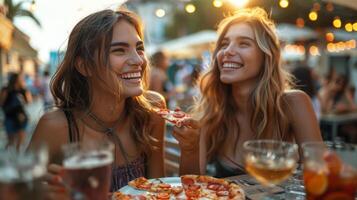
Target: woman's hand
187, 134
53, 185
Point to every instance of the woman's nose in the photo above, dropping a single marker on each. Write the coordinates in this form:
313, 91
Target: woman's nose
136, 59
230, 50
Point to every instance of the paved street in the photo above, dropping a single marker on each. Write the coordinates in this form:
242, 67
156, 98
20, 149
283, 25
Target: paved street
34, 110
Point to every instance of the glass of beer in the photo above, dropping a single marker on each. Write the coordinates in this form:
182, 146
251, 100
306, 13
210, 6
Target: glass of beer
326, 174
270, 161
88, 167
21, 173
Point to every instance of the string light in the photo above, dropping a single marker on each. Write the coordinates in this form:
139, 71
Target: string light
190, 8
217, 3
284, 3
349, 27
354, 26
239, 3
330, 37
313, 15
160, 13
337, 22
314, 50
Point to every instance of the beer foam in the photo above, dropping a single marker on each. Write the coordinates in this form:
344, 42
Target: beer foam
89, 160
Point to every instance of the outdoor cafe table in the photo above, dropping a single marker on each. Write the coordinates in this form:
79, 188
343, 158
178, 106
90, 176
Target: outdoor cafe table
337, 119
255, 191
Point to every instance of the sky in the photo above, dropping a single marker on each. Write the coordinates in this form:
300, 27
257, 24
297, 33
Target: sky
57, 18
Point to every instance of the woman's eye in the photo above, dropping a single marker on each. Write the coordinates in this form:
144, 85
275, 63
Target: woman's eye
140, 49
120, 50
244, 44
223, 45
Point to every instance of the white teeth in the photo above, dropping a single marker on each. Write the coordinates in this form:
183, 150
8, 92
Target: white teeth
131, 75
232, 65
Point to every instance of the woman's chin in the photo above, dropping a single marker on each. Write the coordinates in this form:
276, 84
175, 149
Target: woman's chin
133, 92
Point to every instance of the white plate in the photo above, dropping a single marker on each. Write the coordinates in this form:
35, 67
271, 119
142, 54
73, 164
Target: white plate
173, 181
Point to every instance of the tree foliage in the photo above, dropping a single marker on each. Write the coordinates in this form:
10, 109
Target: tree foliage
16, 10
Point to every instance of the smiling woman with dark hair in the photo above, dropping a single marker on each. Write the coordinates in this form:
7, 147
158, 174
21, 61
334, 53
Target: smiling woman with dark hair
100, 90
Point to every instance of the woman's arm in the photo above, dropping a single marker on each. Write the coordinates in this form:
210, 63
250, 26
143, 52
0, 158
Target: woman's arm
3, 96
156, 160
28, 96
302, 117
189, 140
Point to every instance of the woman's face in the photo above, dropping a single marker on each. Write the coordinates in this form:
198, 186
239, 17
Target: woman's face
239, 58
127, 58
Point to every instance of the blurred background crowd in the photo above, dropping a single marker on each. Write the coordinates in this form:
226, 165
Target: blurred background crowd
318, 47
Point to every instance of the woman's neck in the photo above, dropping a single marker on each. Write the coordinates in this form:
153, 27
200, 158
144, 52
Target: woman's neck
241, 95
107, 109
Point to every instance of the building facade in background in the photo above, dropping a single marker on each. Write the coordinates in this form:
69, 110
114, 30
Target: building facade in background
16, 53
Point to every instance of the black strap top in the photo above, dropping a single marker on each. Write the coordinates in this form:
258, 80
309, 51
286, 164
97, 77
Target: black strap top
121, 175
72, 128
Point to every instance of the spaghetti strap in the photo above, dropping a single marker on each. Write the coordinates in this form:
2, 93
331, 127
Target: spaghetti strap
72, 129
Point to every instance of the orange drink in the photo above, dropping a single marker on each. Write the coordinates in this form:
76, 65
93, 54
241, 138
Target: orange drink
326, 176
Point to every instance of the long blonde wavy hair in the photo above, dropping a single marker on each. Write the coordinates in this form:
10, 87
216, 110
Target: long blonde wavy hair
216, 108
89, 42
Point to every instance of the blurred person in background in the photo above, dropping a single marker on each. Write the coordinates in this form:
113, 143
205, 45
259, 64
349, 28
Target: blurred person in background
13, 99
304, 80
337, 98
335, 95
245, 96
46, 91
158, 75
100, 90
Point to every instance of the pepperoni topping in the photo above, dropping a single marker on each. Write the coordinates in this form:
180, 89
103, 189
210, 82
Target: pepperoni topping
187, 181
213, 186
163, 196
194, 187
179, 114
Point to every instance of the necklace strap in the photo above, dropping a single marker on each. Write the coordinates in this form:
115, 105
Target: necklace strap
110, 132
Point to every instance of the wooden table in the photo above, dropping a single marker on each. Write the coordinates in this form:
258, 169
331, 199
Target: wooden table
337, 119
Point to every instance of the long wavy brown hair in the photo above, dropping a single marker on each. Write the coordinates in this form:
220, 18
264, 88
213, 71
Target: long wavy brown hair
216, 108
89, 42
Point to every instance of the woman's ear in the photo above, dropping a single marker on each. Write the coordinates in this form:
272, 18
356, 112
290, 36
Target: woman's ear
82, 69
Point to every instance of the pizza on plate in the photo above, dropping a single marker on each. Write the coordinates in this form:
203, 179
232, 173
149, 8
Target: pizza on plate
191, 187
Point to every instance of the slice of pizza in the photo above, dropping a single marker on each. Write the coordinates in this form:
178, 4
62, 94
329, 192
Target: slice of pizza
141, 183
156, 189
174, 117
207, 187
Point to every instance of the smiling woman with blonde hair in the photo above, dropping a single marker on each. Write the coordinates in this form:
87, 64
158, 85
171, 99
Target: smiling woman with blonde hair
245, 95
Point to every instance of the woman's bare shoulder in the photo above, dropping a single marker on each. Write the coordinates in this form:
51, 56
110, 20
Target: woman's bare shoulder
296, 98
51, 129
55, 119
52, 126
